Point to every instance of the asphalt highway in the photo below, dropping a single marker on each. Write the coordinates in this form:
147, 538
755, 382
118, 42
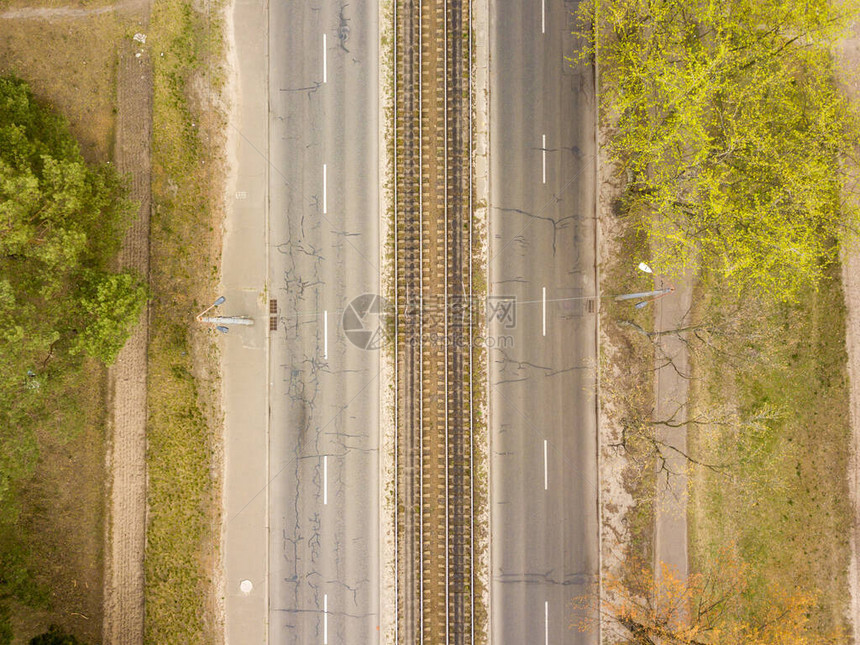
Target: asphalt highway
323, 492
304, 530
542, 406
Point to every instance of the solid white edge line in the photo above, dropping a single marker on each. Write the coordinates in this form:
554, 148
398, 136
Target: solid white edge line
545, 468
543, 16
543, 310
543, 151
325, 334
325, 619
325, 480
325, 61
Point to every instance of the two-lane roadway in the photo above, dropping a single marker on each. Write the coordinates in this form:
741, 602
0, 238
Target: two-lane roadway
542, 379
324, 391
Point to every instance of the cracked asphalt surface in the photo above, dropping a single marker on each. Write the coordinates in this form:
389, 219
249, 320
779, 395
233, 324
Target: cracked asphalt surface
324, 391
305, 531
542, 409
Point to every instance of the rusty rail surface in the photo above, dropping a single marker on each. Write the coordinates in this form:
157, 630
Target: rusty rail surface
434, 322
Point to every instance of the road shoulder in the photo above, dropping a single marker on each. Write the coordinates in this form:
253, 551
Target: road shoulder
245, 359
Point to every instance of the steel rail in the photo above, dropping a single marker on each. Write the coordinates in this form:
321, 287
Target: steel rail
446, 166
471, 355
421, 309
396, 346
446, 305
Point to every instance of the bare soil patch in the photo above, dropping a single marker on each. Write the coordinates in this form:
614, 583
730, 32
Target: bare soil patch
65, 12
73, 69
124, 580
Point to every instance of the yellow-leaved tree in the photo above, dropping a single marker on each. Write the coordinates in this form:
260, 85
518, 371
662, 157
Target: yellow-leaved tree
727, 120
703, 609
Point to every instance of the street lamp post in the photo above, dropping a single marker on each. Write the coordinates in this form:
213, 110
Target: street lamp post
657, 293
650, 295
222, 322
219, 301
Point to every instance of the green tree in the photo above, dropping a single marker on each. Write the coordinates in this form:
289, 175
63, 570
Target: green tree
729, 125
61, 225
113, 302
61, 222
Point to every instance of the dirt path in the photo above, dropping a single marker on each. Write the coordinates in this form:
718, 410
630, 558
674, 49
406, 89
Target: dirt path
126, 460
850, 52
47, 13
851, 286
671, 390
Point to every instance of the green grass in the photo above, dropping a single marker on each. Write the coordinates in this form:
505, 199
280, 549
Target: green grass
182, 534
181, 494
785, 501
782, 499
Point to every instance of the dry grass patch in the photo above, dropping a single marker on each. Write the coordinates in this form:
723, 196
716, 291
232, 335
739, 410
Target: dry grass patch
184, 409
783, 499
62, 511
73, 69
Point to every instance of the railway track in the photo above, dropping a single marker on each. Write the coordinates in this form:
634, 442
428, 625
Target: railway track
435, 523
